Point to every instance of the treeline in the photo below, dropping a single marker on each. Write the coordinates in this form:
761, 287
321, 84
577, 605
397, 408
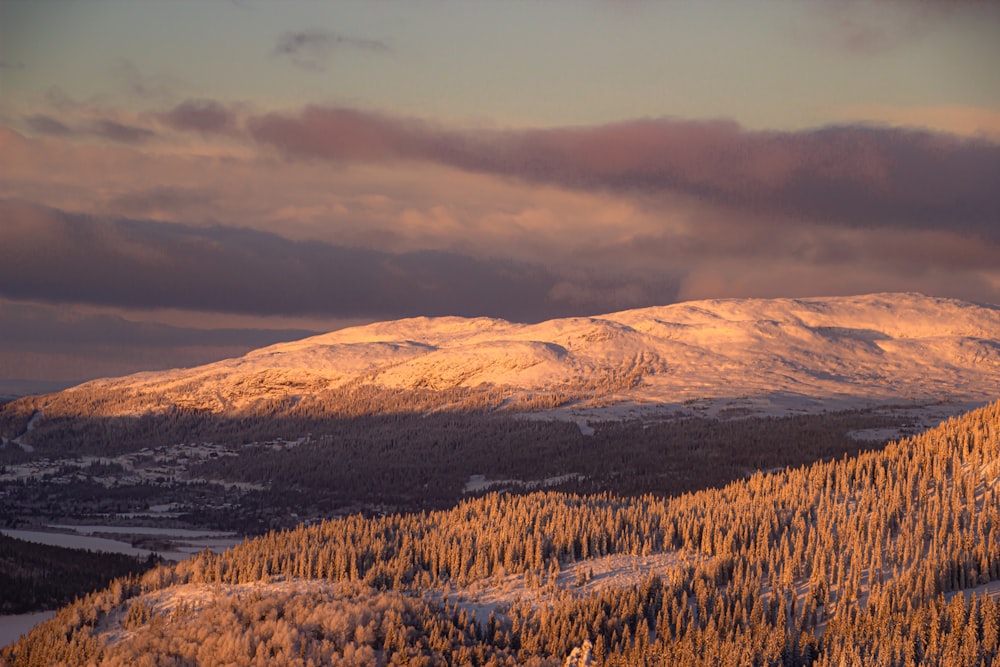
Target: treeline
38, 576
840, 562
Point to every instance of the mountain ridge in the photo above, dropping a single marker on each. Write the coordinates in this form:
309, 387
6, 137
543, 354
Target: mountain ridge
750, 353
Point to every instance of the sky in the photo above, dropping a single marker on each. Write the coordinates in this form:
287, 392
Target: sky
185, 181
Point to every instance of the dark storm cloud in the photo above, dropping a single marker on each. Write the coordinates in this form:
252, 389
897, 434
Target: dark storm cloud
312, 49
856, 176
46, 255
201, 116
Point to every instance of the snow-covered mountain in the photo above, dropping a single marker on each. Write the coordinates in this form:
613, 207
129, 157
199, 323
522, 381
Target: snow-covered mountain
758, 354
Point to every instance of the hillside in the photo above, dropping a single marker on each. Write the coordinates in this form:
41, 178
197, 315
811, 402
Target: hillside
755, 355
886, 558
419, 414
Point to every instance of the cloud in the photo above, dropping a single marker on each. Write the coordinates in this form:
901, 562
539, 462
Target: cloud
869, 28
312, 49
788, 279
354, 135
851, 175
43, 124
100, 127
50, 256
160, 200
143, 86
847, 175
968, 121
120, 132
67, 344
205, 116
34, 326
11, 64
403, 217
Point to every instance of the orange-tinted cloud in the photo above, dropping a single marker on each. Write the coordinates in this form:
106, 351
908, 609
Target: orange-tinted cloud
407, 216
848, 175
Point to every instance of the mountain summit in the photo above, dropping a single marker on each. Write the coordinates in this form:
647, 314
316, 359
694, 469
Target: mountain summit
741, 354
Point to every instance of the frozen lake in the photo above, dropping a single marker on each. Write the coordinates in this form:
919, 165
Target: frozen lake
199, 540
76, 541
141, 530
12, 627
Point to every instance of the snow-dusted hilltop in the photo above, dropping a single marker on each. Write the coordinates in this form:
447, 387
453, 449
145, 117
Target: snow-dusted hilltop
753, 353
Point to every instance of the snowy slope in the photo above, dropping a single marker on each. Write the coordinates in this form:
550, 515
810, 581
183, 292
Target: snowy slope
758, 353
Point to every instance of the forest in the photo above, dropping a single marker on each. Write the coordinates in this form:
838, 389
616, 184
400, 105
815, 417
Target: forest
888, 557
294, 469
410, 462
39, 576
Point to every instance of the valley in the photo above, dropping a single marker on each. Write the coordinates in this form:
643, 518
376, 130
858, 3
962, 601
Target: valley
704, 483
376, 465
416, 413
807, 566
